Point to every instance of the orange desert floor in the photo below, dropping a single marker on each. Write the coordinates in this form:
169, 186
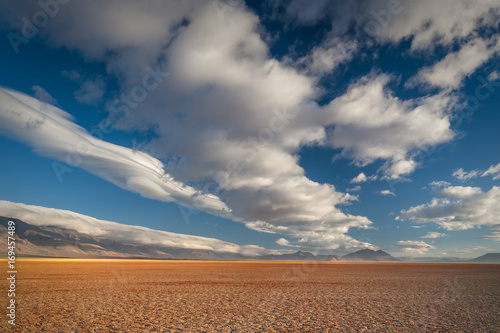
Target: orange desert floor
70, 295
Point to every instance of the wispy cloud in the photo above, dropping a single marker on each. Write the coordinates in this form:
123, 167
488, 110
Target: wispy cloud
460, 174
91, 91
386, 193
418, 247
493, 236
432, 234
494, 171
440, 183
51, 133
43, 95
354, 189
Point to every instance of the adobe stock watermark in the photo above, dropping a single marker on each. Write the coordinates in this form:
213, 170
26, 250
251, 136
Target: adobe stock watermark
450, 296
277, 124
119, 107
31, 26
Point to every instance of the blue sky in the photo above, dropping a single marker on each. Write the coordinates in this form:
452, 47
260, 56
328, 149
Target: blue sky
321, 126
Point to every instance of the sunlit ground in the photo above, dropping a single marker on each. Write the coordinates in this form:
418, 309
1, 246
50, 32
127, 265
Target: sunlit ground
109, 295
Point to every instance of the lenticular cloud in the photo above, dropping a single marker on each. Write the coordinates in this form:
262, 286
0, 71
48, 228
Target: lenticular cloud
51, 133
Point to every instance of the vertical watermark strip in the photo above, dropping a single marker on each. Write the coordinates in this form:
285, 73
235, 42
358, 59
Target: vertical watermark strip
11, 272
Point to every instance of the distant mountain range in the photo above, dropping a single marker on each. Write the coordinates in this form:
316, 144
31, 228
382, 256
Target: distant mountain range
34, 241
361, 255
488, 258
51, 241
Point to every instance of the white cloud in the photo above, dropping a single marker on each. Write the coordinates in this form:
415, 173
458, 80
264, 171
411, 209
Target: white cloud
429, 23
494, 171
325, 58
460, 174
361, 178
290, 204
440, 183
402, 167
460, 192
370, 123
329, 241
354, 189
307, 12
386, 192
261, 113
494, 227
493, 76
43, 95
493, 236
51, 133
450, 71
418, 247
425, 23
91, 92
42, 216
469, 251
458, 208
433, 234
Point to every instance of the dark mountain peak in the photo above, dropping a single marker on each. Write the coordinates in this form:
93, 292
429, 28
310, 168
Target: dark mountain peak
488, 257
370, 255
304, 254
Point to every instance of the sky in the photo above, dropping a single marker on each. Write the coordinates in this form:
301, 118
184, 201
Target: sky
255, 127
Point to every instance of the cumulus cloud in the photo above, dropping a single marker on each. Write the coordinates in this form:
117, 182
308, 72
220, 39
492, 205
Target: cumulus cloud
418, 247
371, 123
42, 216
433, 234
460, 192
460, 174
386, 193
260, 112
458, 208
43, 95
494, 171
325, 58
361, 178
429, 23
295, 206
232, 117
